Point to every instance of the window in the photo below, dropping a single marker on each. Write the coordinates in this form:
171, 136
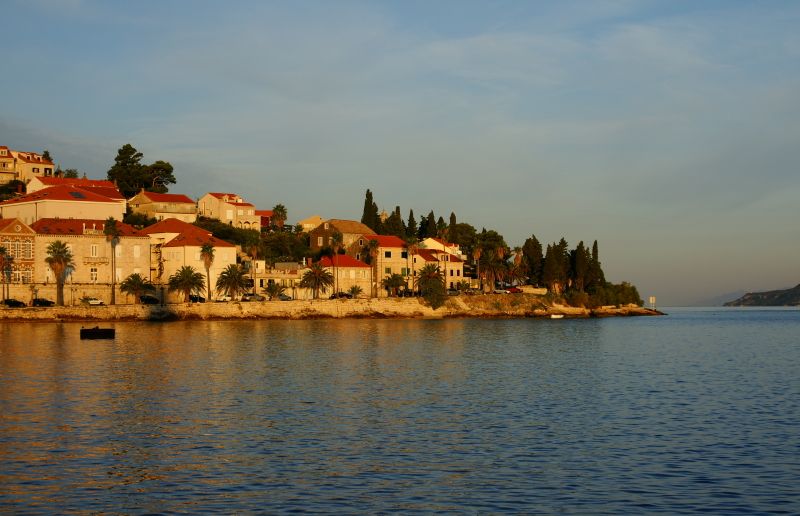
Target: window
35, 170
352, 274
458, 272
451, 272
136, 251
388, 270
404, 254
93, 254
319, 241
404, 271
93, 274
239, 212
118, 275
117, 250
387, 254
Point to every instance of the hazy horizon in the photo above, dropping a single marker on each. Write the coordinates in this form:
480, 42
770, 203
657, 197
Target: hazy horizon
666, 131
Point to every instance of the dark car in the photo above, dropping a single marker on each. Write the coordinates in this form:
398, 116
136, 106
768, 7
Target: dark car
284, 297
197, 299
253, 297
341, 295
13, 303
147, 299
39, 301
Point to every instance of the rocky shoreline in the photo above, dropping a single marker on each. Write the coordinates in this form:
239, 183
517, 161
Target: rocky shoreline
487, 306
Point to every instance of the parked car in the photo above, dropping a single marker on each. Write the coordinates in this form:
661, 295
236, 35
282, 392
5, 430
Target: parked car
341, 295
472, 292
501, 291
284, 297
13, 303
92, 301
147, 299
453, 292
514, 290
196, 299
39, 301
223, 298
253, 297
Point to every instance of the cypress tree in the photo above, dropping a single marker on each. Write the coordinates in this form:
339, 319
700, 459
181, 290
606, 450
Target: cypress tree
367, 216
532, 258
411, 227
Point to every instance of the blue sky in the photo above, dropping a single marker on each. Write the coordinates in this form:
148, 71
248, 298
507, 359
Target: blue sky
668, 131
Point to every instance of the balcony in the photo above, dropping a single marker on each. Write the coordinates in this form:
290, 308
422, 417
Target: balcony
93, 260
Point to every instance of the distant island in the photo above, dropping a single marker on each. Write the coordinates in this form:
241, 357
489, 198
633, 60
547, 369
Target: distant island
787, 297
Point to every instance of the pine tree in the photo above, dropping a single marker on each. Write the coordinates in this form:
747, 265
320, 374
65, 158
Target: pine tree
411, 227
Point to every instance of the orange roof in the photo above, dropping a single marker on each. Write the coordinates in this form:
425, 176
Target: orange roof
32, 157
165, 197
342, 260
5, 223
75, 181
60, 193
78, 227
188, 234
240, 203
386, 240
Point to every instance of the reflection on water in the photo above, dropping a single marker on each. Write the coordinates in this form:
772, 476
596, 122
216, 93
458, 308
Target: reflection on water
682, 413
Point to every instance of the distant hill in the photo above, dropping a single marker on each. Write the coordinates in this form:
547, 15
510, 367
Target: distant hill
718, 300
788, 297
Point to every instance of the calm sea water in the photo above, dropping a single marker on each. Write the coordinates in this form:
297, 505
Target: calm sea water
697, 411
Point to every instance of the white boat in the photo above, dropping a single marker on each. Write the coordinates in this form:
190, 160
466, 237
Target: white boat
556, 316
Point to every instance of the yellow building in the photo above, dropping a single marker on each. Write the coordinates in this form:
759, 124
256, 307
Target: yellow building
230, 209
95, 262
175, 243
347, 272
309, 224
18, 240
22, 166
450, 265
162, 206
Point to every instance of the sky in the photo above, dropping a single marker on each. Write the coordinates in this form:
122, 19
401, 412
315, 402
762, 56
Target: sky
667, 131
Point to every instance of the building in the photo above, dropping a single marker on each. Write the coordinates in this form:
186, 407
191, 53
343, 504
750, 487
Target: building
230, 209
19, 242
97, 186
391, 258
285, 274
348, 272
310, 223
350, 230
162, 206
23, 166
63, 201
450, 265
174, 243
95, 258
265, 218
437, 244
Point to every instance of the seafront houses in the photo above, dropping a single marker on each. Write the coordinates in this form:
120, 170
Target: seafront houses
437, 244
351, 231
162, 206
390, 257
348, 272
18, 240
175, 243
94, 259
63, 201
22, 166
450, 265
285, 274
230, 209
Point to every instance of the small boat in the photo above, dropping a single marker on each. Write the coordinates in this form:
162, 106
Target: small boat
556, 316
97, 333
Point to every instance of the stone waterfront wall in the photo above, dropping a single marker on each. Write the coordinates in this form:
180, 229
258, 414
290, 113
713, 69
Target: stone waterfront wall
500, 305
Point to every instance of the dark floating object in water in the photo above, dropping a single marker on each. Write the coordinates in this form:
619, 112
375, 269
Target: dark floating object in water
97, 333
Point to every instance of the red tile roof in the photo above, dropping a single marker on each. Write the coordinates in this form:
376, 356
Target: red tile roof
6, 223
166, 197
342, 260
386, 240
61, 193
264, 213
240, 203
188, 234
75, 181
78, 226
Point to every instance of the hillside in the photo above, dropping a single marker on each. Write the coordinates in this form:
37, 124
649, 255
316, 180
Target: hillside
788, 297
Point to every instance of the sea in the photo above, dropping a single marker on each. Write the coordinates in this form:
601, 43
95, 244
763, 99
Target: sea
697, 411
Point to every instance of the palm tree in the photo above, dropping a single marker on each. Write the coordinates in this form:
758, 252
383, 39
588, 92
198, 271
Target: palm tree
207, 255
135, 285
59, 258
355, 291
186, 280
316, 278
476, 257
412, 246
393, 282
274, 290
336, 244
3, 257
279, 215
373, 246
112, 235
232, 281
431, 285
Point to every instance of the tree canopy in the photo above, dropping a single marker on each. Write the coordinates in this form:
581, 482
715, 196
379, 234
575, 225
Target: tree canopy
131, 176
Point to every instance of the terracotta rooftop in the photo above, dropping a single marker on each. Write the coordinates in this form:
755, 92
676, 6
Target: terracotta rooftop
342, 260
188, 234
386, 240
61, 193
75, 181
167, 197
78, 227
